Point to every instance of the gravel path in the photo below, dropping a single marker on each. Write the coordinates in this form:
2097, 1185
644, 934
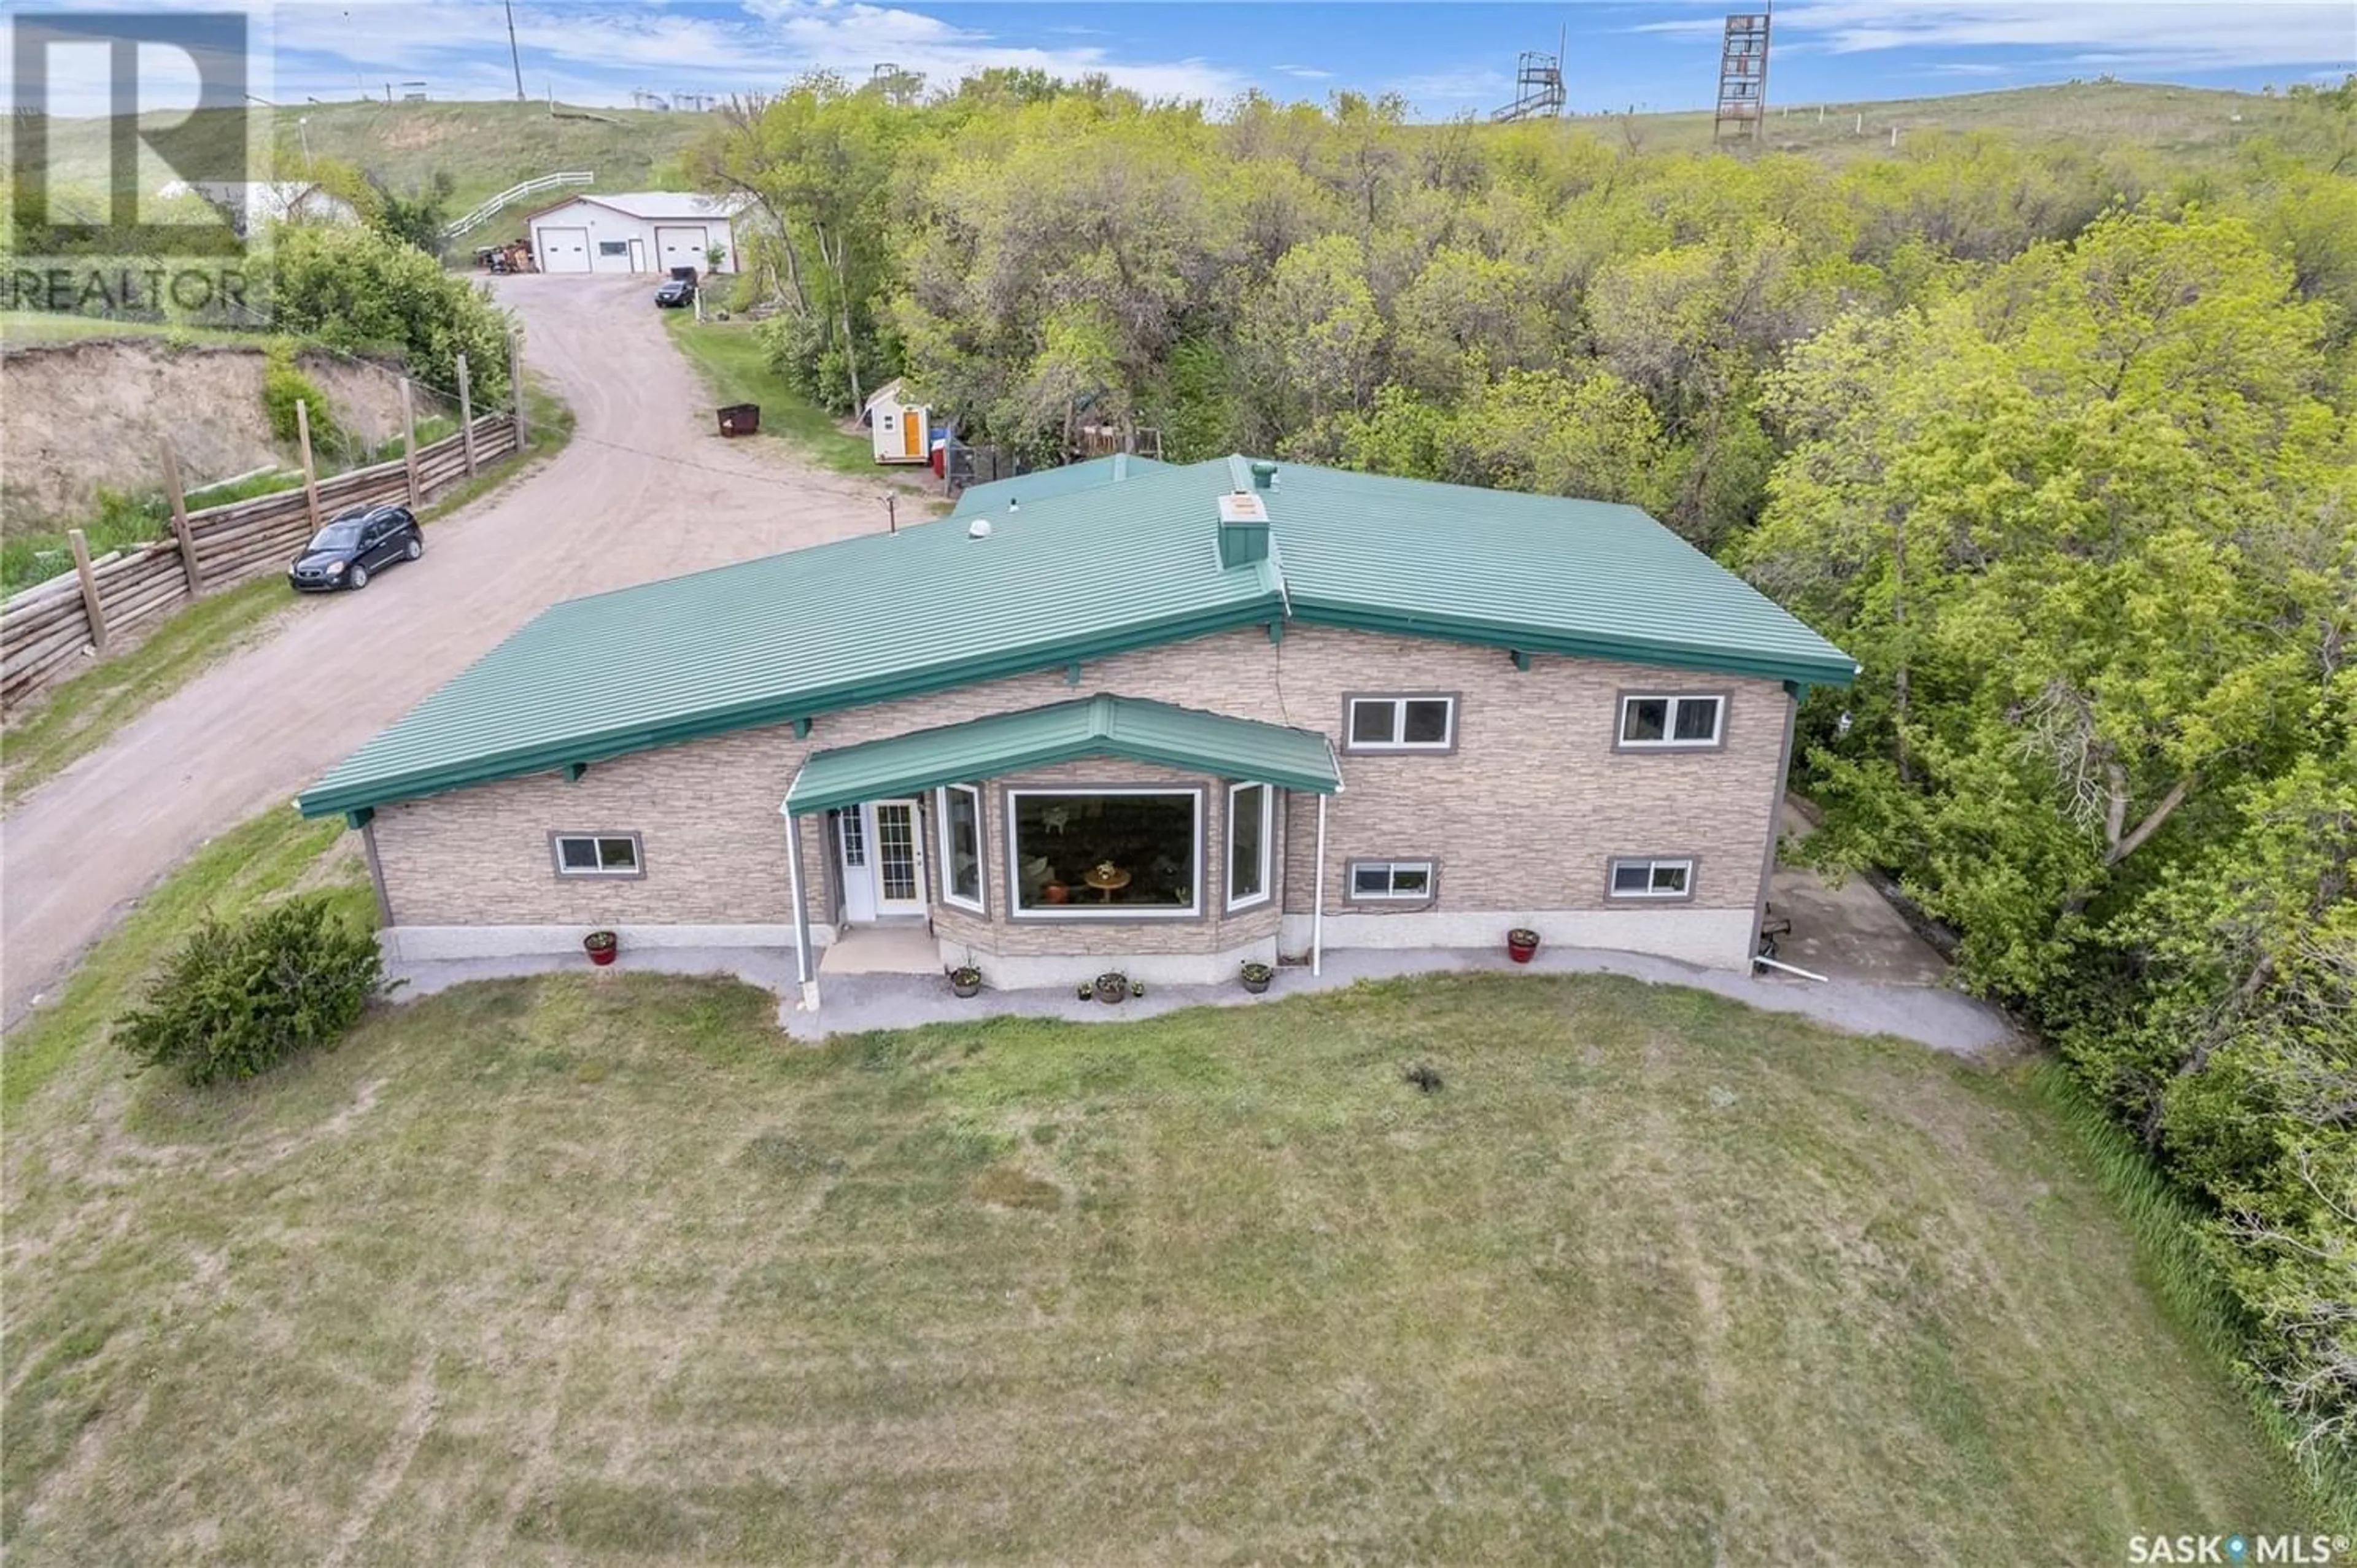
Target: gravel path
646, 489
1943, 1019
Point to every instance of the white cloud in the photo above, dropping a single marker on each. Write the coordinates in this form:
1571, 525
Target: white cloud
1306, 72
595, 53
2152, 34
1453, 89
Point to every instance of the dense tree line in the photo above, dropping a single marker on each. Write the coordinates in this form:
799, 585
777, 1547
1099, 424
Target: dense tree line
2056, 438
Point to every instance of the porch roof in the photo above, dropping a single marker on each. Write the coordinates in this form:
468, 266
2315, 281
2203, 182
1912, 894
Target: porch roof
1102, 726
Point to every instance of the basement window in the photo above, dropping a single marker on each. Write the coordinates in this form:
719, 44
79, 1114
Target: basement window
1643, 878
597, 854
1668, 722
1391, 881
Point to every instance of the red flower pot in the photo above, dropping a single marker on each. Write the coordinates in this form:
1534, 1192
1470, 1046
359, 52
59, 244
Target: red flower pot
1521, 946
601, 946
601, 957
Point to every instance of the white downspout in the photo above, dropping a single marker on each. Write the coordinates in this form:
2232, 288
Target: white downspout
802, 914
1318, 899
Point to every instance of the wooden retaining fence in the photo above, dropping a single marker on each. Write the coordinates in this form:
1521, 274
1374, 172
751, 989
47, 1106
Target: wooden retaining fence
49, 629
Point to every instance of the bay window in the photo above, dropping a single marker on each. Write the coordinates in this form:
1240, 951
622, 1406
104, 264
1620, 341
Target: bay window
958, 810
1105, 853
1251, 817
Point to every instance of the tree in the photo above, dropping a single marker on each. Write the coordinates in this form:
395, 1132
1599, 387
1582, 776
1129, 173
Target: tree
355, 290
416, 219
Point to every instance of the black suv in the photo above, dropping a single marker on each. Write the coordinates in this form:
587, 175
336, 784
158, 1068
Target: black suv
675, 293
365, 540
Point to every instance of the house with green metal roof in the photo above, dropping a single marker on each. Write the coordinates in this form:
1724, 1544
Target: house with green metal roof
1163, 718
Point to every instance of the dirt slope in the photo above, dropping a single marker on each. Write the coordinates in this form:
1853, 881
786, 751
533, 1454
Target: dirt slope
645, 490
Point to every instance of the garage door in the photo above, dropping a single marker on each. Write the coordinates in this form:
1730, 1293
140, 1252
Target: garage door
680, 245
563, 250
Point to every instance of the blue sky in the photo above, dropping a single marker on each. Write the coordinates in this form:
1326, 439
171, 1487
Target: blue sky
1446, 59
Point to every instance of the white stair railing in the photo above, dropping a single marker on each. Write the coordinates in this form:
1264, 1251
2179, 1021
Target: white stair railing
490, 210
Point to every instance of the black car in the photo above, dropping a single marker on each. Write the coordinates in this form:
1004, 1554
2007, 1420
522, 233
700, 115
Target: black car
674, 294
353, 547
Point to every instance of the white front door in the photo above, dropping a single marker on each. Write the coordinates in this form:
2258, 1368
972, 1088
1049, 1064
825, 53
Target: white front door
881, 853
899, 858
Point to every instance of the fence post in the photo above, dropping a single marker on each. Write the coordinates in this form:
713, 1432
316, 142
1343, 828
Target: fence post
310, 472
90, 605
467, 416
515, 387
180, 520
409, 441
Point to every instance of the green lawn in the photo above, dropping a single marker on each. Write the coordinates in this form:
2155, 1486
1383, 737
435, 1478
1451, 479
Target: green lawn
732, 363
600, 1268
23, 327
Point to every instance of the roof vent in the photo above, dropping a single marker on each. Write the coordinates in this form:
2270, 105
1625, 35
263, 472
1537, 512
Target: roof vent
1243, 529
978, 529
1263, 476
1014, 505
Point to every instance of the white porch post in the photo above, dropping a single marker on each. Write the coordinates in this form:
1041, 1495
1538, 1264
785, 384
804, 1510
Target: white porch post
802, 913
1318, 899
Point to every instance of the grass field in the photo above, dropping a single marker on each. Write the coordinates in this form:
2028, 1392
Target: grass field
733, 364
603, 1270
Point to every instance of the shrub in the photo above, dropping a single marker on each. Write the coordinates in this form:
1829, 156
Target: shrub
237, 999
283, 384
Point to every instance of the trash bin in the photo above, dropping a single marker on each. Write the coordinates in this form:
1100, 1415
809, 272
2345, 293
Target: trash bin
740, 419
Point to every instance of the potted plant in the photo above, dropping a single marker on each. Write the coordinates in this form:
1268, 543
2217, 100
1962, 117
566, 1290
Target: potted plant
1056, 893
1137, 988
965, 980
600, 947
1088, 990
1521, 944
1256, 976
1112, 986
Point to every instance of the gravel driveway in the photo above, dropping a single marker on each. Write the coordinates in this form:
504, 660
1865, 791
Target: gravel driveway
646, 489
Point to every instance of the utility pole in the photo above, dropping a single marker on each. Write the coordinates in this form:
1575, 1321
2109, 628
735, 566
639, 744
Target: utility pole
514, 58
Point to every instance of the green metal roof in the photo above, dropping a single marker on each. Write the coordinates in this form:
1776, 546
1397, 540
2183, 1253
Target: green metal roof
1102, 726
1046, 484
1070, 577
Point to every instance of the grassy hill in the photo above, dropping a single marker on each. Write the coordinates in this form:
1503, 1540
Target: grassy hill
487, 147
2165, 118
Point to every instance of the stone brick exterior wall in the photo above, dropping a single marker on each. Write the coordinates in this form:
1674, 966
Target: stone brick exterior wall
1522, 815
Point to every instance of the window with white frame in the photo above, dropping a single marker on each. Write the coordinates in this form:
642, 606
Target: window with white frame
1401, 723
1671, 720
597, 854
1398, 880
1636, 877
613, 247
1251, 823
958, 809
1104, 854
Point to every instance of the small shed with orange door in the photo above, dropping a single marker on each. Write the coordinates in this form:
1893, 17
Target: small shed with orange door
900, 431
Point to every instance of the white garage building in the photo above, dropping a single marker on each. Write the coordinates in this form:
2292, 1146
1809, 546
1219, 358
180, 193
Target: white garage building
633, 231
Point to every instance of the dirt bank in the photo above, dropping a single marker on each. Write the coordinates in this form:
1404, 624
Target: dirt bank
76, 416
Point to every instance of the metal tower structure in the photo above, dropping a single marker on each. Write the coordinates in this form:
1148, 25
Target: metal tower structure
1743, 80
1538, 87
